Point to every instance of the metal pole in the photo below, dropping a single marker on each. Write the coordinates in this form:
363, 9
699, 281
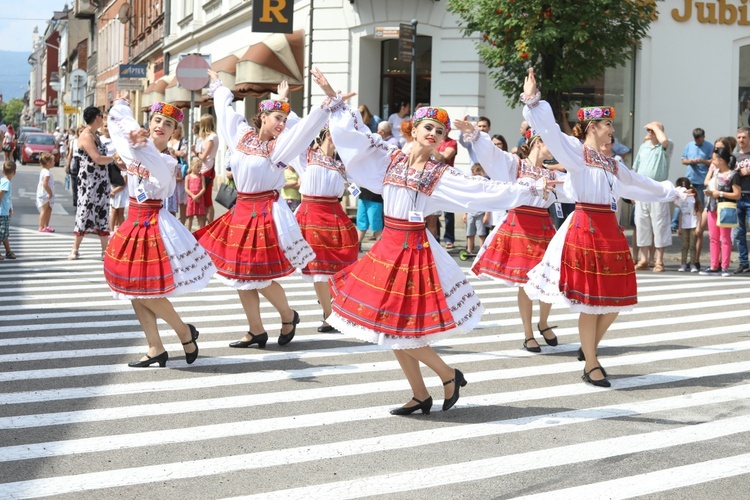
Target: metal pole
190, 125
413, 101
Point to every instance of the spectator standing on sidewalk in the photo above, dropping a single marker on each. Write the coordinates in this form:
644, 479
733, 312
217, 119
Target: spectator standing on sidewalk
448, 149
696, 157
483, 125
652, 220
385, 130
690, 211
404, 109
724, 184
743, 204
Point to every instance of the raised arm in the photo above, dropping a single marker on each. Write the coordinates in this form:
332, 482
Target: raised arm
365, 155
498, 164
123, 127
566, 149
294, 141
230, 124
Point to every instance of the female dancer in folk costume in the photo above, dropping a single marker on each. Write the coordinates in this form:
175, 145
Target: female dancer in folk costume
407, 292
151, 255
259, 240
324, 224
519, 243
588, 264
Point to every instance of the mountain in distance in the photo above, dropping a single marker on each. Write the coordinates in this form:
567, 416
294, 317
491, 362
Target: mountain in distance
14, 77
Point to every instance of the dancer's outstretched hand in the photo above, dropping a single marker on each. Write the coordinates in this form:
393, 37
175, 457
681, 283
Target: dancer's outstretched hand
529, 85
320, 79
283, 90
464, 126
213, 74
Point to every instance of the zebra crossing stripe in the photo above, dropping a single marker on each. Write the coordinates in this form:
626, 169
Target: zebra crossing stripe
236, 429
524, 462
397, 482
654, 482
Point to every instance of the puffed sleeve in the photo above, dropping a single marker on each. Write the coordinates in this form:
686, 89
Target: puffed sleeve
366, 155
160, 167
295, 140
230, 124
566, 149
498, 164
635, 186
300, 162
457, 192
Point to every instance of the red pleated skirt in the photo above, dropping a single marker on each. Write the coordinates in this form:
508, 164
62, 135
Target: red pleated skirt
243, 243
394, 288
517, 246
597, 267
136, 261
329, 232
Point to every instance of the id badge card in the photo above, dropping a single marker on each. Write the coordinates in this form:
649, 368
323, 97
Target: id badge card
559, 211
613, 205
415, 216
354, 190
140, 194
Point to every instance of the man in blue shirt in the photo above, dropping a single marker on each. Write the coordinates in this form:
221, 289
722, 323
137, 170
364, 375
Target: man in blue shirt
696, 157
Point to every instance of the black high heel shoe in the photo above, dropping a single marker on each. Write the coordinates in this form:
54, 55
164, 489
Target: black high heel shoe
460, 381
259, 339
531, 349
553, 340
581, 357
161, 359
285, 338
425, 406
192, 356
586, 377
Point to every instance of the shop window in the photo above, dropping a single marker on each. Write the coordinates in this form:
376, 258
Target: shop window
396, 75
744, 88
616, 88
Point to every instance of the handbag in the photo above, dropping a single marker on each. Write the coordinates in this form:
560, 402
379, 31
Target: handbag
115, 175
227, 195
726, 215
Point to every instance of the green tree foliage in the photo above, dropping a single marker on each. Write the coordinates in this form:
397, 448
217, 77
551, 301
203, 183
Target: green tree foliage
10, 112
567, 42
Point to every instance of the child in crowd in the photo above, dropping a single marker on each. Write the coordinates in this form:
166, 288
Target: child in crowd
119, 198
45, 192
6, 206
689, 225
195, 187
476, 222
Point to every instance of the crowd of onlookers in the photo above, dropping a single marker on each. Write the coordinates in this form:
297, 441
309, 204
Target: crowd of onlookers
718, 175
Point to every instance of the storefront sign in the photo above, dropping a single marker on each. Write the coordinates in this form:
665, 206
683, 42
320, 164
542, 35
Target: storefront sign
719, 12
39, 103
382, 32
273, 16
132, 71
70, 110
405, 42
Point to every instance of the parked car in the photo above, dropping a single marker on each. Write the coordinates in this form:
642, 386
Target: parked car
22, 133
36, 144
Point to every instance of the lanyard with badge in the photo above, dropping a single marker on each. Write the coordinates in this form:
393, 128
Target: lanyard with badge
414, 215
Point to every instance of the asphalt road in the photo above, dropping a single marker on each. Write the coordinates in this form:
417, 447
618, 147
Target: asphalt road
311, 420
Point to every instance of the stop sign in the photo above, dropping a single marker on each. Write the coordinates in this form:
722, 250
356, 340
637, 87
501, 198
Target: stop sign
192, 72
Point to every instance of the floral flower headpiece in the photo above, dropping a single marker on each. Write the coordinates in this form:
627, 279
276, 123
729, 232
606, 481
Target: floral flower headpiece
269, 106
167, 110
435, 114
530, 134
596, 113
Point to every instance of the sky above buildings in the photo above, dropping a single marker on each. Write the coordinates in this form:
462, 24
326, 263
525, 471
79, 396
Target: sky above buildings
18, 18
17, 21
